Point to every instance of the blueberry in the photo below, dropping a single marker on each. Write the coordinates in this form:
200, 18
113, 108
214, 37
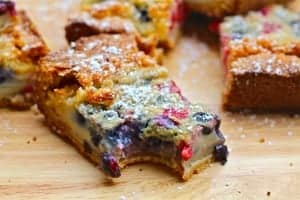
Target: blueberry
110, 165
109, 115
5, 74
295, 24
206, 130
95, 137
202, 117
218, 120
125, 132
144, 16
221, 153
219, 133
80, 119
237, 35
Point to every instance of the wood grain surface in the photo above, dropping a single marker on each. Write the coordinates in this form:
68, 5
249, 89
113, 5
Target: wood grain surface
264, 161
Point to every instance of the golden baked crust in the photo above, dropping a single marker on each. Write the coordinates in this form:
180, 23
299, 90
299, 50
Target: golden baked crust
119, 53
221, 8
21, 46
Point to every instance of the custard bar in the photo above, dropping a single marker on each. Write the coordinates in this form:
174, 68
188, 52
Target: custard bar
20, 48
156, 23
260, 52
117, 106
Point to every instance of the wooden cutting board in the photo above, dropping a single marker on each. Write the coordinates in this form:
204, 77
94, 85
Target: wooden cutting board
264, 161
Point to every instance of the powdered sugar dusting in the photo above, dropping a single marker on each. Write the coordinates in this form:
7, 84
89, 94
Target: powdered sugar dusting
179, 187
6, 125
257, 67
1, 143
122, 197
290, 133
112, 50
90, 45
278, 71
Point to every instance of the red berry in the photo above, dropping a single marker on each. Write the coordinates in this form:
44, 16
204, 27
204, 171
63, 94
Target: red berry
186, 151
265, 11
7, 6
110, 165
270, 27
113, 165
28, 89
214, 26
179, 114
174, 88
178, 13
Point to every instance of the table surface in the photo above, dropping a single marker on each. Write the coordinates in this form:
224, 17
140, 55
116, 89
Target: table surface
264, 149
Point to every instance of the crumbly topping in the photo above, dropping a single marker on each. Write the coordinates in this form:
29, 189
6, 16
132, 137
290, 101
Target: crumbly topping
98, 57
97, 63
275, 23
275, 64
273, 30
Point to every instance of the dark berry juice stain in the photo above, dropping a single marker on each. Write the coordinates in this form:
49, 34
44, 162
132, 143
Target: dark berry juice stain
5, 75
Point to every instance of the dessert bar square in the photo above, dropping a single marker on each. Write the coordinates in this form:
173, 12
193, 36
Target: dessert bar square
155, 23
260, 52
117, 106
20, 48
